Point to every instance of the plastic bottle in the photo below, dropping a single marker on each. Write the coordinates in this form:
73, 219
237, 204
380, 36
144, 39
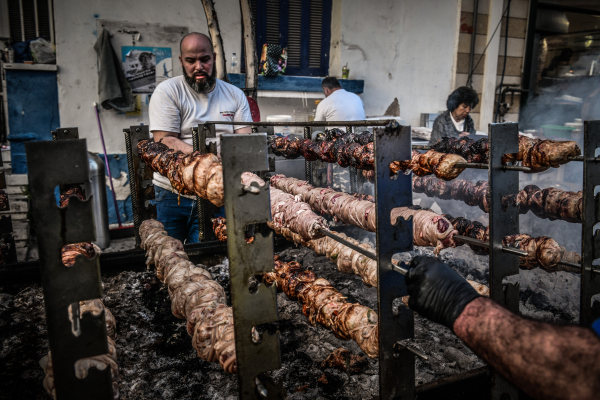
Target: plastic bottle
235, 66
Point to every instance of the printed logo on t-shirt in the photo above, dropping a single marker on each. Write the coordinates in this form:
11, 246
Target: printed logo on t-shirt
227, 114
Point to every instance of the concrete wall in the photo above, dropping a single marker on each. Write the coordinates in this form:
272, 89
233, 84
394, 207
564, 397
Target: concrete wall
517, 28
404, 49
75, 24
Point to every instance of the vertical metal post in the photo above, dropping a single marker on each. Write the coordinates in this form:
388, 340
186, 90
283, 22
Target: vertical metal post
139, 178
308, 164
6, 227
196, 132
590, 240
396, 368
352, 171
504, 138
51, 164
204, 207
242, 153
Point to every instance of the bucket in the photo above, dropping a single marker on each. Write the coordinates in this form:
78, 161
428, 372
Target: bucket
280, 130
17, 151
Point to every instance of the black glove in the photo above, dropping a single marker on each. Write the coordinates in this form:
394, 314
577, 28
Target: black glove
436, 291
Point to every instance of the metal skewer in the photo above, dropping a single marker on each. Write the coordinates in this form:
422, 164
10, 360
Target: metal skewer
510, 250
343, 241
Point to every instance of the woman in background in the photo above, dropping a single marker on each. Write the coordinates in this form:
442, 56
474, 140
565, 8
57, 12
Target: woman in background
456, 121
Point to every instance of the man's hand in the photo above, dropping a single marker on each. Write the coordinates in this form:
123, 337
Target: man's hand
463, 134
172, 140
436, 291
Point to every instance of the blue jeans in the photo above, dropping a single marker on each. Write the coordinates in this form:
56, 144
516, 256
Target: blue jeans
180, 220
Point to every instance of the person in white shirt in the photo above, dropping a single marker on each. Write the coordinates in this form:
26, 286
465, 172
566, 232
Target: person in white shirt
456, 121
177, 105
339, 105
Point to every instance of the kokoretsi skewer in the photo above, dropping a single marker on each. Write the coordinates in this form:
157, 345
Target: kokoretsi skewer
549, 203
543, 252
190, 174
322, 303
537, 154
195, 296
429, 228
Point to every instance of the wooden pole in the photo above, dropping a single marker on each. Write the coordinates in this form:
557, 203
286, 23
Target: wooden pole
217, 41
251, 57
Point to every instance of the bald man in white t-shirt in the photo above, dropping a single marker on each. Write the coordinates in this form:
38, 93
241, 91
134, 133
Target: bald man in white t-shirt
177, 105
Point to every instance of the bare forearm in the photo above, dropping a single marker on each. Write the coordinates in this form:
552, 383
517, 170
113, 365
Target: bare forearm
545, 361
175, 143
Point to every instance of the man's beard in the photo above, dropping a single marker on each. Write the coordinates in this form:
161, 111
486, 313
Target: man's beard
203, 86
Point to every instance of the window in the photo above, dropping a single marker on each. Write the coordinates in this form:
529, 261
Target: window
303, 26
30, 19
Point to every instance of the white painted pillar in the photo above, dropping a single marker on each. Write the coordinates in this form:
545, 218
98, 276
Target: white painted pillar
490, 66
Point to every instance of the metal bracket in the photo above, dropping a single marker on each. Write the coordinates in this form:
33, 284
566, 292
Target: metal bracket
590, 282
204, 207
242, 153
140, 178
65, 134
504, 138
308, 164
50, 164
396, 366
504, 221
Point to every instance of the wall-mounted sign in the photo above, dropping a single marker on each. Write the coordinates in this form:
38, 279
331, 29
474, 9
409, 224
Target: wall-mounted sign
146, 67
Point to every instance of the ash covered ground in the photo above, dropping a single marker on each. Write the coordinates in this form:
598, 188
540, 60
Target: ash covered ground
156, 359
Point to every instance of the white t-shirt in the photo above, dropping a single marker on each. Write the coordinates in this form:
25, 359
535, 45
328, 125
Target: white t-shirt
458, 125
176, 107
340, 106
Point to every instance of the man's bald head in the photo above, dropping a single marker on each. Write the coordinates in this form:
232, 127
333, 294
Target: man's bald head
197, 60
194, 38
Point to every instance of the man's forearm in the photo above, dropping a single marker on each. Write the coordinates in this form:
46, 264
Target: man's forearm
545, 361
177, 144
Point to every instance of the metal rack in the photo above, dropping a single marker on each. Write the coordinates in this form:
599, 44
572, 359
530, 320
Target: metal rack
396, 359
244, 207
52, 164
206, 209
590, 240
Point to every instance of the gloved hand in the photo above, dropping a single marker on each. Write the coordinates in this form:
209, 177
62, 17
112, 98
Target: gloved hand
436, 291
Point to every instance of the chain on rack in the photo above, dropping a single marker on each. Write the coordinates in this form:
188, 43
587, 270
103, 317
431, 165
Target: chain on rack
51, 164
206, 210
140, 179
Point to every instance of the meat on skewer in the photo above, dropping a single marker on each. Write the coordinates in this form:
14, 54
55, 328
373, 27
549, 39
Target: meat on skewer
442, 165
429, 229
190, 174
537, 154
100, 362
70, 251
195, 296
322, 303
550, 203
346, 149
543, 252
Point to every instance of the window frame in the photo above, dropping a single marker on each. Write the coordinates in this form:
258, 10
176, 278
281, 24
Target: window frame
304, 69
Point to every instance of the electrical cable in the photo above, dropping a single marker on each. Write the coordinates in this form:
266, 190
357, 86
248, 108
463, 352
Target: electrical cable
487, 45
504, 66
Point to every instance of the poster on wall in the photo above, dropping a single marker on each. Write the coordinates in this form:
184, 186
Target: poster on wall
146, 67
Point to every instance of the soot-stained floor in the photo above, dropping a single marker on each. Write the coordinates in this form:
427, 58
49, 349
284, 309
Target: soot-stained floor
156, 359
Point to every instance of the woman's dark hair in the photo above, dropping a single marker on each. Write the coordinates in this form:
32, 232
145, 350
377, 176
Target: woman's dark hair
462, 95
